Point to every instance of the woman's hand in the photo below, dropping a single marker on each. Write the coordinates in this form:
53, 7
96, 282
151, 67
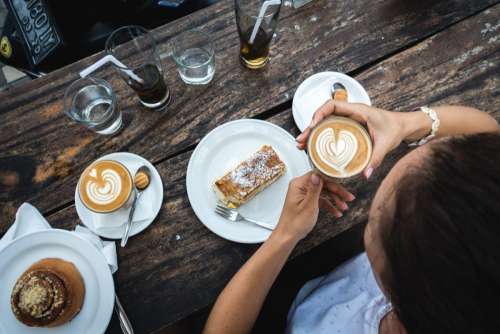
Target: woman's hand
301, 209
334, 198
241, 301
386, 128
304, 196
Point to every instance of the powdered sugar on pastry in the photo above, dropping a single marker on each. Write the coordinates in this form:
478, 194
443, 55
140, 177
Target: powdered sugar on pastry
250, 177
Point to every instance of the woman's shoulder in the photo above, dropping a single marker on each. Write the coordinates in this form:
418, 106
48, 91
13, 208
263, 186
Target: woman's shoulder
347, 300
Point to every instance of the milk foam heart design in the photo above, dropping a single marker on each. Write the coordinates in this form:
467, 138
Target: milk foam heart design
106, 187
336, 149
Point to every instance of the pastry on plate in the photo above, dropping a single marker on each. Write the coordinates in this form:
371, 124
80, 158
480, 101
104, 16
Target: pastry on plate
48, 294
250, 177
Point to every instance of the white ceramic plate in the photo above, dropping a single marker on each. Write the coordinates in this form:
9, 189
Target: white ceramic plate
153, 194
224, 148
19, 255
316, 90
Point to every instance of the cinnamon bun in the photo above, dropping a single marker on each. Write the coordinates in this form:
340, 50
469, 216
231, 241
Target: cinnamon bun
48, 294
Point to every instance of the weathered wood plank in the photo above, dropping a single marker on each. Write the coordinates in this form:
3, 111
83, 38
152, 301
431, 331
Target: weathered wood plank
459, 66
162, 279
42, 154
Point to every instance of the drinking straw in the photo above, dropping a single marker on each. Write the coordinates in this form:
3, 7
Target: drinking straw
109, 59
262, 13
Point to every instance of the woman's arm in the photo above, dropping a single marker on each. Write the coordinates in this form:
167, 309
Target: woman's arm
388, 129
454, 120
239, 304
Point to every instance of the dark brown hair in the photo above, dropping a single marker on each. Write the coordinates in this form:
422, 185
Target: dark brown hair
442, 241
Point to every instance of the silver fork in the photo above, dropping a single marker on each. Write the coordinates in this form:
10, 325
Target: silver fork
234, 215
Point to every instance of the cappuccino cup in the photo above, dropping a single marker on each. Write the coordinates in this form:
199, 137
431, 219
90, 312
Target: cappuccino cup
339, 147
106, 186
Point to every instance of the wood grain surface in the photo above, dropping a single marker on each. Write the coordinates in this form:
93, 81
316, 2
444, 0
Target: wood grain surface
177, 266
42, 152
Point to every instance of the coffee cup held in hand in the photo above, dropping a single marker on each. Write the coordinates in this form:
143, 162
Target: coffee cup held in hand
105, 186
339, 147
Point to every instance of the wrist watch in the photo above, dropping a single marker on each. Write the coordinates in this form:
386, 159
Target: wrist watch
434, 127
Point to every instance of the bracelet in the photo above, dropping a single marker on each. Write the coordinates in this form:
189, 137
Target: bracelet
434, 127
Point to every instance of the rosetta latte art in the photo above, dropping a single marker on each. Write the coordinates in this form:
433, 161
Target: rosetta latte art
336, 149
104, 186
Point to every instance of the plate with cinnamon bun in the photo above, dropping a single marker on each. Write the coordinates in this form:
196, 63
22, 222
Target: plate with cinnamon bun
54, 282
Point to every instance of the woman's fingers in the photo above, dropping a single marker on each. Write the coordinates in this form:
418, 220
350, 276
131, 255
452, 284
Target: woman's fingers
325, 110
382, 130
355, 111
302, 138
380, 149
335, 200
339, 204
337, 189
328, 206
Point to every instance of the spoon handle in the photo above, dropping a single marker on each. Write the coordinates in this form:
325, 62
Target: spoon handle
129, 222
124, 321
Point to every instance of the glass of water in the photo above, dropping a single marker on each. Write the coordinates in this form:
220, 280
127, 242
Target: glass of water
193, 52
92, 103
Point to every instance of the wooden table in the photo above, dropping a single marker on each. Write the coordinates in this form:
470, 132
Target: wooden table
406, 53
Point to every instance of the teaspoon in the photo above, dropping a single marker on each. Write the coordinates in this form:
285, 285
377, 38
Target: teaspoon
142, 179
339, 92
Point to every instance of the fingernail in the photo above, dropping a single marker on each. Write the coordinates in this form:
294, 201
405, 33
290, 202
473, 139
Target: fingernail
344, 206
339, 215
299, 137
351, 197
369, 172
315, 179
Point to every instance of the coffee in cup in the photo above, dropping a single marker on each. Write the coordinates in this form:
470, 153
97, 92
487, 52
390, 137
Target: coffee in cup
339, 147
105, 186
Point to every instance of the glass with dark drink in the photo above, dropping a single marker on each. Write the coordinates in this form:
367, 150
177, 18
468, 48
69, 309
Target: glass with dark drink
254, 46
139, 64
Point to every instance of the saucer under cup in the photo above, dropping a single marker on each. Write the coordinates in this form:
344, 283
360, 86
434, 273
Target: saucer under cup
152, 195
313, 92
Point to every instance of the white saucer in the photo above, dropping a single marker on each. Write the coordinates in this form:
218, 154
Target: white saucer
153, 193
224, 148
21, 253
316, 90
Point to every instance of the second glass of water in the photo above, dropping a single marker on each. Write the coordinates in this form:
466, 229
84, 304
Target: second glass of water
193, 52
91, 102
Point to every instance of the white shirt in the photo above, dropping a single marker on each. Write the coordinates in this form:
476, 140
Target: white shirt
348, 300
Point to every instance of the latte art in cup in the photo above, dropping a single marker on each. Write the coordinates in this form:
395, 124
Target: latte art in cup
104, 191
105, 186
339, 147
336, 148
